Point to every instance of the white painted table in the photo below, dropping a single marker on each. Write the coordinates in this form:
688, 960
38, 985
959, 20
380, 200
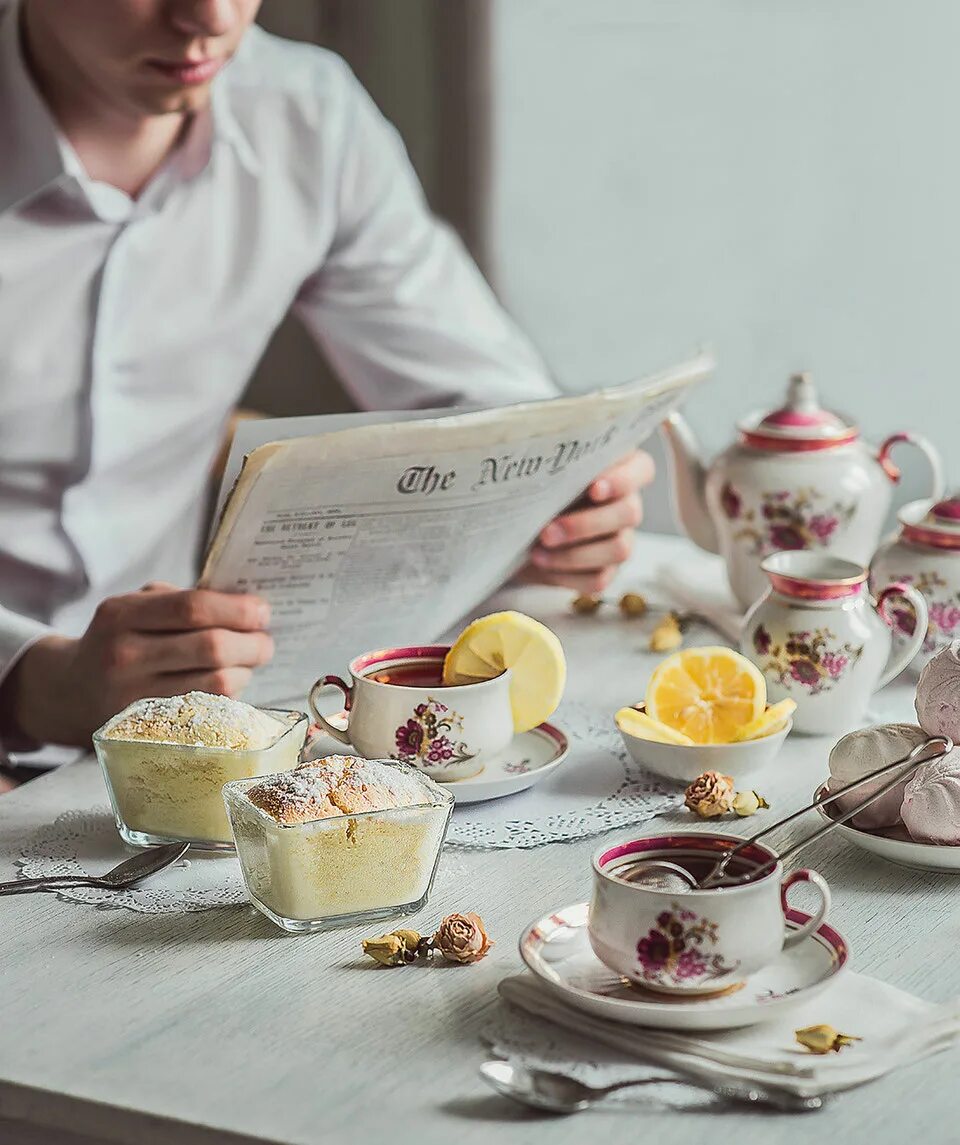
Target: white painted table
218, 1027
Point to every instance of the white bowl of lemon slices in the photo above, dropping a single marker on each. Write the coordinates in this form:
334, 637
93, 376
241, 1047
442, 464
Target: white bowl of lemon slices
705, 709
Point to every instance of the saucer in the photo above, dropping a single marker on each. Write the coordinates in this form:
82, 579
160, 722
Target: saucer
895, 845
528, 759
557, 949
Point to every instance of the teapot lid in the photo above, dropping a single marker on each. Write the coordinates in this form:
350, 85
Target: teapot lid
933, 523
801, 423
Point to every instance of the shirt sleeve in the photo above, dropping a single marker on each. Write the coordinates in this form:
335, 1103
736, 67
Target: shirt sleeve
17, 634
399, 307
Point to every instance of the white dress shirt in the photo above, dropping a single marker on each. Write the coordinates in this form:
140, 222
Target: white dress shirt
129, 328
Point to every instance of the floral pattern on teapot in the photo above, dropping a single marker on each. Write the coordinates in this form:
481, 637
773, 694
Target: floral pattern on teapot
785, 519
944, 614
813, 661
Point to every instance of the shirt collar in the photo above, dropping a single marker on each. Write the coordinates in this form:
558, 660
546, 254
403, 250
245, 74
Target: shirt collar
33, 154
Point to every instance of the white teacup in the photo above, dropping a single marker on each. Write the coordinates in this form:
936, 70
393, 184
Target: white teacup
397, 707
692, 941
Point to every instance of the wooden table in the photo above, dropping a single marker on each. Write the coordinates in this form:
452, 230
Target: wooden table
218, 1027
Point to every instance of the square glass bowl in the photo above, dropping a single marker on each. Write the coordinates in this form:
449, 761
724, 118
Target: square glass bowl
354, 867
171, 792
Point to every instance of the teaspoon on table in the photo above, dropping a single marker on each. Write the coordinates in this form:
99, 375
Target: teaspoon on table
555, 1093
124, 875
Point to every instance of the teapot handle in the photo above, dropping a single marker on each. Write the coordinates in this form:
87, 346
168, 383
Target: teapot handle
897, 663
926, 448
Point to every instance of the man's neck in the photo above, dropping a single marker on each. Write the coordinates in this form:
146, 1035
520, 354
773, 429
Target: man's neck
115, 146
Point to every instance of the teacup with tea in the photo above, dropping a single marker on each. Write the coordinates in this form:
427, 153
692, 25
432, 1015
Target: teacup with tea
397, 706
693, 941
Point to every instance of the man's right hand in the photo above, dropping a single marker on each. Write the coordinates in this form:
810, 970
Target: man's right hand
161, 641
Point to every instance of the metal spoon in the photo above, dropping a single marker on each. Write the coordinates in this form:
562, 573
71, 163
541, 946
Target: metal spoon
556, 1093
123, 875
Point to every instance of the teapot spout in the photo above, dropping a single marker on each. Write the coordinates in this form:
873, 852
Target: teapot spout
689, 483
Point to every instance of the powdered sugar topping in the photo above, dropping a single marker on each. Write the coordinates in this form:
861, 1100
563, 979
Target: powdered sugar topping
197, 719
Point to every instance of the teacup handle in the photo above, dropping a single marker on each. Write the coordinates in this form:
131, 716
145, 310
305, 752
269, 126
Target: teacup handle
805, 876
340, 734
916, 598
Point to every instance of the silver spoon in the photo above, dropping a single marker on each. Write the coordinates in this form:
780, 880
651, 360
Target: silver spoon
123, 875
556, 1093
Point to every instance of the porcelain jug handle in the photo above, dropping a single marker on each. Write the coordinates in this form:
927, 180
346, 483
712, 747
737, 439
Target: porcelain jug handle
897, 663
928, 451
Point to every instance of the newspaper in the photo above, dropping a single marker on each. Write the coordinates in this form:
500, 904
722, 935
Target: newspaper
387, 534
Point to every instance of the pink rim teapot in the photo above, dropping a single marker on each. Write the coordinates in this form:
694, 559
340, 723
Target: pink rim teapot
925, 552
799, 477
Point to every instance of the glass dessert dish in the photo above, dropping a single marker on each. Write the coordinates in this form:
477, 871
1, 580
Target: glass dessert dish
338, 841
164, 792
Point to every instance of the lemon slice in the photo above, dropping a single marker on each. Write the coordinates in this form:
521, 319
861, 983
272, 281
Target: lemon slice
639, 724
768, 723
504, 640
708, 694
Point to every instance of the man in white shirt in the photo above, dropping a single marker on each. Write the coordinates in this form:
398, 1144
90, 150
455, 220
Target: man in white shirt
160, 212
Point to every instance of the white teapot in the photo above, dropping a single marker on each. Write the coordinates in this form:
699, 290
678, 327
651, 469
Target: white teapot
796, 478
925, 553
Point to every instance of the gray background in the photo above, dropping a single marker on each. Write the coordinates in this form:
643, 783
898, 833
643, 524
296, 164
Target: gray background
638, 178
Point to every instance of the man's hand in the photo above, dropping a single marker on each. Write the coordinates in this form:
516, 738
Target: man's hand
161, 641
583, 548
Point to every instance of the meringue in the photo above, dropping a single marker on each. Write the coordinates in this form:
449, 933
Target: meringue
931, 802
938, 694
866, 750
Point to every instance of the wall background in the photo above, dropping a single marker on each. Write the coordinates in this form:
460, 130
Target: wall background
776, 180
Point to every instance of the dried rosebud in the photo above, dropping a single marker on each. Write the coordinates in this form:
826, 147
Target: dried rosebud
586, 604
748, 803
632, 604
710, 795
393, 949
667, 635
461, 938
824, 1039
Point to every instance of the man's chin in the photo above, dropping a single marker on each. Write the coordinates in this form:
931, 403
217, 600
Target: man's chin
177, 101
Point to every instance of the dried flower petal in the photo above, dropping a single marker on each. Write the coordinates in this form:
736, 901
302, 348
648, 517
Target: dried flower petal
586, 604
462, 938
824, 1039
393, 949
632, 604
710, 795
748, 803
667, 635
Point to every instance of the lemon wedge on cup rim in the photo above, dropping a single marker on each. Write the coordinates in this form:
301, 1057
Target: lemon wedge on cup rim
502, 640
709, 693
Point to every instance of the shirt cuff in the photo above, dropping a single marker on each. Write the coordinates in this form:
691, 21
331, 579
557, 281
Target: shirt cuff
17, 635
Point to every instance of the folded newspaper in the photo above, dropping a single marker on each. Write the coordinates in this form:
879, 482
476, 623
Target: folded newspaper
385, 534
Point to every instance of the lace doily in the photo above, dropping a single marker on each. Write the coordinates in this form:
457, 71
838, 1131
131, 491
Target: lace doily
598, 788
87, 843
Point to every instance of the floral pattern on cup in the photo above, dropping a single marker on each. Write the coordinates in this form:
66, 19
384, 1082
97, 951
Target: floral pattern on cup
811, 661
785, 520
944, 615
673, 952
429, 736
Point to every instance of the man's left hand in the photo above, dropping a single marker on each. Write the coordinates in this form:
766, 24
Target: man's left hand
583, 547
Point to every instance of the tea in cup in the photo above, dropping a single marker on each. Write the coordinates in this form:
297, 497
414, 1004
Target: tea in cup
693, 942
398, 707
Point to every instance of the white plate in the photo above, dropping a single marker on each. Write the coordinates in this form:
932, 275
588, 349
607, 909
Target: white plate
895, 845
557, 949
530, 757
